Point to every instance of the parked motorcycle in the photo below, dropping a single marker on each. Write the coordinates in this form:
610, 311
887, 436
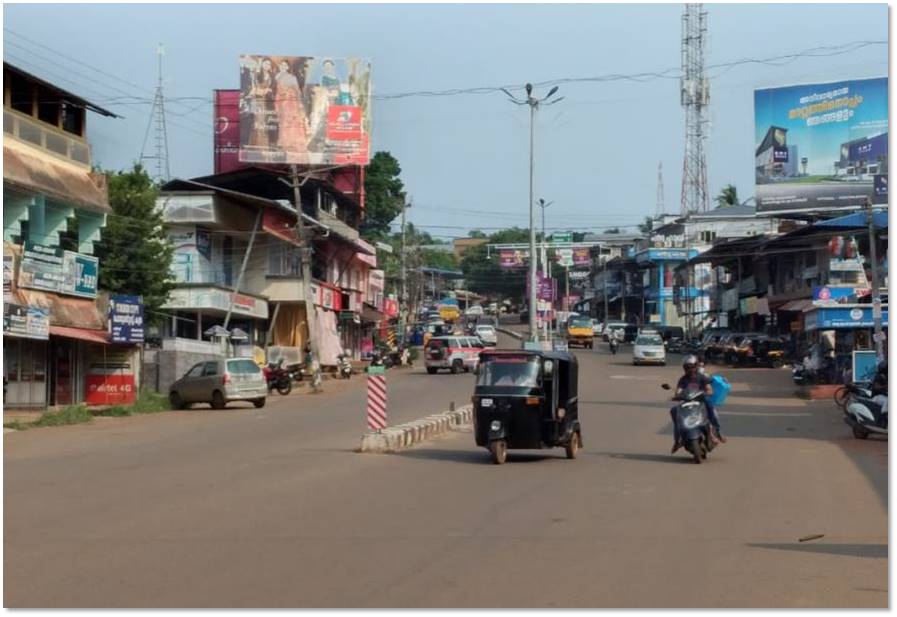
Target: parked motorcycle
278, 378
866, 413
694, 424
344, 365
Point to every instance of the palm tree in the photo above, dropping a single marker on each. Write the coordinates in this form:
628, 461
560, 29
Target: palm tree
728, 196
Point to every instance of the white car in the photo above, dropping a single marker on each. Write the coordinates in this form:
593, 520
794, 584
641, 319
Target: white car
649, 349
474, 311
597, 327
487, 334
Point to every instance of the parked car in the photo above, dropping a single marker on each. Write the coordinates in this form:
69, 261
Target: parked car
455, 353
219, 382
649, 349
487, 334
474, 311
673, 337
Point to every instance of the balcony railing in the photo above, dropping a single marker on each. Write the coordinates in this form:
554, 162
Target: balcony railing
46, 138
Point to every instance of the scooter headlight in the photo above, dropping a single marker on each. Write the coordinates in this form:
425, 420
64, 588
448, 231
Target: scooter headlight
495, 426
692, 419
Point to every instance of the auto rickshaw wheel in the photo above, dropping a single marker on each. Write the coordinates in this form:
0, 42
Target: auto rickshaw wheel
572, 446
499, 450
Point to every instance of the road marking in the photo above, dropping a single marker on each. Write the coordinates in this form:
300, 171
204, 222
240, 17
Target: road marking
772, 415
635, 377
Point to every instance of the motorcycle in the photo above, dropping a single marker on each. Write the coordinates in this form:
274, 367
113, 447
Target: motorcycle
278, 378
866, 413
344, 365
694, 424
614, 345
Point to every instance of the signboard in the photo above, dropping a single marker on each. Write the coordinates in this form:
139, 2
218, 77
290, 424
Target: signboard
830, 317
864, 365
513, 258
53, 269
26, 321
304, 110
564, 257
838, 294
821, 146
663, 255
8, 273
562, 237
126, 319
227, 131
110, 377
199, 298
581, 258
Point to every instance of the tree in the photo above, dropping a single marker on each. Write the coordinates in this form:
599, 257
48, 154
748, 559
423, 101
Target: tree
476, 233
384, 196
647, 226
727, 197
135, 252
484, 275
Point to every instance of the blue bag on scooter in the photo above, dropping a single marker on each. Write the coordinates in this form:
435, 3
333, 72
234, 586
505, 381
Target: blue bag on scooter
721, 389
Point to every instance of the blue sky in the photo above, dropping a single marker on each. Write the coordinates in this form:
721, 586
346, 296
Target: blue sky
464, 158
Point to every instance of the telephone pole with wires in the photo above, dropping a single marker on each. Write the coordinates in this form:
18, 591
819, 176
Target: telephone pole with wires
659, 209
157, 124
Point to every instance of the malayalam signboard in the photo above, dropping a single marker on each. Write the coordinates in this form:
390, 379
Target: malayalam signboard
821, 146
126, 319
54, 269
26, 321
304, 110
513, 258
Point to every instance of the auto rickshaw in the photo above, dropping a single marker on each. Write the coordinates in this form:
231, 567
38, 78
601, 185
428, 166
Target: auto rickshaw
526, 400
762, 350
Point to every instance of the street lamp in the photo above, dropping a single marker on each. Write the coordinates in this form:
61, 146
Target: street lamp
533, 103
544, 257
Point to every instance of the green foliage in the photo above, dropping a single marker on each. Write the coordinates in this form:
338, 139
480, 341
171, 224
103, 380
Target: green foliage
73, 414
485, 276
135, 253
147, 402
646, 227
728, 196
384, 196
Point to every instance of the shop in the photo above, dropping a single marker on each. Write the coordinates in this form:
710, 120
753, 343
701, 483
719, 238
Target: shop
840, 331
197, 308
26, 334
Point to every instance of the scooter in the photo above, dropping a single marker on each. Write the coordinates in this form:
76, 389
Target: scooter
866, 414
278, 378
614, 345
694, 425
344, 366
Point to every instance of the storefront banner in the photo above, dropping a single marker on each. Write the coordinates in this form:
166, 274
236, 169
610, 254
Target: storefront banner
227, 131
823, 318
200, 299
839, 294
126, 319
865, 363
513, 258
80, 275
110, 377
821, 146
304, 110
41, 267
564, 257
390, 307
26, 321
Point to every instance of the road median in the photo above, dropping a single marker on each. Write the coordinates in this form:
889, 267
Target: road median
402, 436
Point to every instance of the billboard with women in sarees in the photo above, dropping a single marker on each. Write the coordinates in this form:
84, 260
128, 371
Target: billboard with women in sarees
303, 110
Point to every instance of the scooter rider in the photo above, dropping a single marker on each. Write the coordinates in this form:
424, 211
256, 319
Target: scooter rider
694, 380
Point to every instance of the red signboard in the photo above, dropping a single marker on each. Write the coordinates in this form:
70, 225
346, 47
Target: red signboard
227, 131
390, 307
110, 389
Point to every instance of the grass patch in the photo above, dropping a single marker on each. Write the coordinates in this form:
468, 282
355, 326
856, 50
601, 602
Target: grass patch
147, 402
15, 424
73, 414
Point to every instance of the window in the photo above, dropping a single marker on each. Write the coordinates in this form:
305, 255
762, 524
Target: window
283, 259
242, 367
21, 94
72, 119
708, 236
210, 369
48, 106
196, 370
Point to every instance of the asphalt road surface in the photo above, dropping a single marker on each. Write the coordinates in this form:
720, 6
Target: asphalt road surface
274, 508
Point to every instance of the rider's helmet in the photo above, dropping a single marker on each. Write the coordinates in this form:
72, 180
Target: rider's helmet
690, 360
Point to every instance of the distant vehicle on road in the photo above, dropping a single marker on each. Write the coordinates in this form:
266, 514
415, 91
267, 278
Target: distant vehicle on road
455, 353
487, 334
649, 349
579, 332
474, 311
219, 382
597, 327
611, 327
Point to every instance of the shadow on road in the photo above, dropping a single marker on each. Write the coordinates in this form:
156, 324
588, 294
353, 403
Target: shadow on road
871, 551
645, 458
475, 457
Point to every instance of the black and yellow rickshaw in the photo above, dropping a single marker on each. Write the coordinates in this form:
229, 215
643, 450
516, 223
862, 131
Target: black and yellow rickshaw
762, 350
526, 400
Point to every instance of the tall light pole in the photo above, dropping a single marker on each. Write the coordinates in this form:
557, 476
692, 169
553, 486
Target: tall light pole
533, 103
544, 257
876, 291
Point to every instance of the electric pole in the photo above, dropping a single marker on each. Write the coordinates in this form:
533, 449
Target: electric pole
305, 251
876, 292
403, 309
533, 103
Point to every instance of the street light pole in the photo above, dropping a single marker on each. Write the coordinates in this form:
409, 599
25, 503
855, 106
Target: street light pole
544, 257
533, 103
876, 292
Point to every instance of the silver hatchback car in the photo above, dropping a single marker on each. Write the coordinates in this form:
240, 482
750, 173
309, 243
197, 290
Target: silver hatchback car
218, 382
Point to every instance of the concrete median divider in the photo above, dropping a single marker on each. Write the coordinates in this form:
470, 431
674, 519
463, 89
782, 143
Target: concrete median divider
405, 435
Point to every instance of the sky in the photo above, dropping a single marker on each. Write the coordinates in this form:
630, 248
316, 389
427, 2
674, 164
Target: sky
464, 158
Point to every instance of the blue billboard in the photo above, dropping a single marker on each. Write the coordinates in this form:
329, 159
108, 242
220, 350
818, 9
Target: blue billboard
126, 319
821, 146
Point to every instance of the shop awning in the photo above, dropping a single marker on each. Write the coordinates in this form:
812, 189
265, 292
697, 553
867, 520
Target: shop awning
371, 314
855, 221
82, 334
796, 305
78, 313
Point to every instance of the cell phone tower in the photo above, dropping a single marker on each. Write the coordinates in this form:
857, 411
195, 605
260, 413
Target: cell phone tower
157, 125
695, 96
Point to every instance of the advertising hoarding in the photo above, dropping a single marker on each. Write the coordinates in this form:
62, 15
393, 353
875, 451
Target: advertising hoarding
126, 319
304, 110
821, 146
26, 321
513, 258
53, 269
227, 131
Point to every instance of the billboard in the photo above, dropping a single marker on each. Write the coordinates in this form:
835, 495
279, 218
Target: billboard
303, 110
53, 269
227, 131
126, 319
513, 258
821, 146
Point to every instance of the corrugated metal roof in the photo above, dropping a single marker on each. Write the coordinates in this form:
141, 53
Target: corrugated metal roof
67, 312
31, 170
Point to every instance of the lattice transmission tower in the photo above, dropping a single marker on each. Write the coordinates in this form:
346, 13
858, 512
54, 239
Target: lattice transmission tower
157, 125
695, 96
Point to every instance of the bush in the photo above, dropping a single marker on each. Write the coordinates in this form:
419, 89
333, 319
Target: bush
73, 414
147, 402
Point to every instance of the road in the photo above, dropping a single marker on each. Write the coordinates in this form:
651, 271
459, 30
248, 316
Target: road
274, 508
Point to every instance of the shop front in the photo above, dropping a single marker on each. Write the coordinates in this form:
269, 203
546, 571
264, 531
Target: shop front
842, 330
198, 308
26, 334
